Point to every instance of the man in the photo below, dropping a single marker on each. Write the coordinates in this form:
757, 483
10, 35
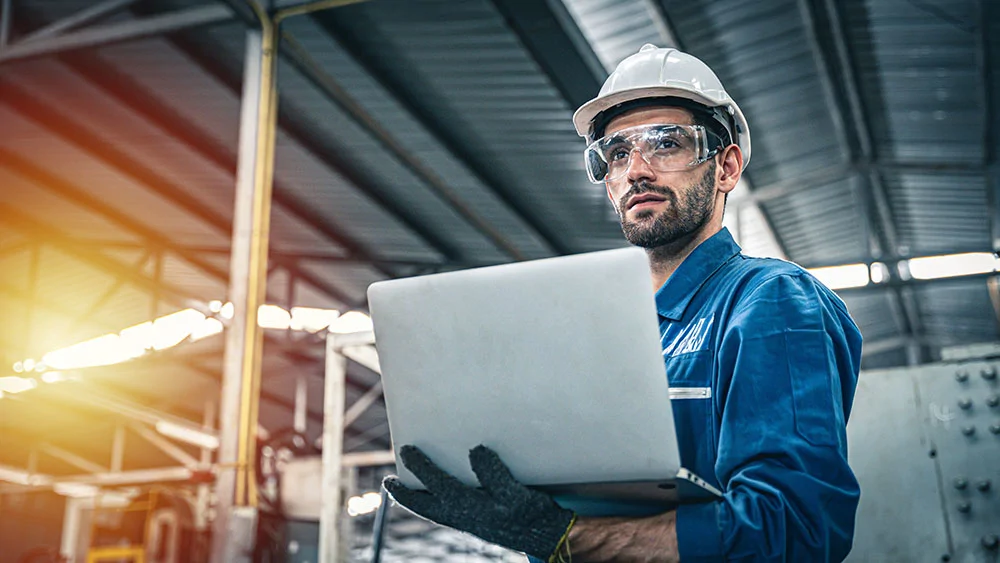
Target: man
772, 351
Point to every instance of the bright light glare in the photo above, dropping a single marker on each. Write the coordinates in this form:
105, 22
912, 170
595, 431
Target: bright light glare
842, 277
75, 490
215, 305
100, 351
172, 329
208, 327
311, 319
227, 311
880, 272
14, 384
364, 504
350, 322
16, 476
135, 340
29, 364
54, 377
951, 265
18, 367
187, 435
272, 316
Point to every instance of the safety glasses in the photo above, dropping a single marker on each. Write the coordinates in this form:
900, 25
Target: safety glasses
664, 147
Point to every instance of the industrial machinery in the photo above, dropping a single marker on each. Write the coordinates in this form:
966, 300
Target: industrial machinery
155, 527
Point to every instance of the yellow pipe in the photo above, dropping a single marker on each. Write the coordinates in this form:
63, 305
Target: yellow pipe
246, 490
267, 117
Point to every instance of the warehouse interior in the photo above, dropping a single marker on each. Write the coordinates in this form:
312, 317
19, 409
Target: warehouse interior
414, 137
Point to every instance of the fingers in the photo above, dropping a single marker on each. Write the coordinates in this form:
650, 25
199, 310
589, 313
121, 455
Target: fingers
421, 503
494, 476
433, 477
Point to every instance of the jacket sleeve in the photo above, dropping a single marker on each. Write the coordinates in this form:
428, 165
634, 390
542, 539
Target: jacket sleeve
785, 377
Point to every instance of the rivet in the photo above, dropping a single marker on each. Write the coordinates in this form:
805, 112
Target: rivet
968, 430
995, 428
964, 507
962, 376
984, 485
965, 404
989, 373
961, 483
993, 400
990, 541
933, 453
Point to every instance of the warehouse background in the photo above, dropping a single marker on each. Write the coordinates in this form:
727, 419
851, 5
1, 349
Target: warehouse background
420, 136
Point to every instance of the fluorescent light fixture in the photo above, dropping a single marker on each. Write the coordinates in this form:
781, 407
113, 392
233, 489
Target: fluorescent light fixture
311, 319
879, 272
227, 311
272, 316
351, 322
100, 351
187, 435
14, 384
364, 504
75, 490
842, 277
952, 265
170, 330
135, 340
208, 327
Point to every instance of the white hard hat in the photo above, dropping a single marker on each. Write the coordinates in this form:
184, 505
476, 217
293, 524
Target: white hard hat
656, 72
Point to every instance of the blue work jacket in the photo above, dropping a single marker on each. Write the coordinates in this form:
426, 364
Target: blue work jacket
763, 361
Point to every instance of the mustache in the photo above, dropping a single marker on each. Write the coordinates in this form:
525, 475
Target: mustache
644, 187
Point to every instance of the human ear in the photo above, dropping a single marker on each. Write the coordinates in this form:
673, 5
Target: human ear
729, 169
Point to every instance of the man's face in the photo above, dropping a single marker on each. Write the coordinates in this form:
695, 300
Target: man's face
659, 208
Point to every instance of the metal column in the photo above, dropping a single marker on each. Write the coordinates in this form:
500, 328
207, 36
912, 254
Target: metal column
333, 447
247, 286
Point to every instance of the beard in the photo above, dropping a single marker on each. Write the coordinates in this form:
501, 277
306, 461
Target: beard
685, 214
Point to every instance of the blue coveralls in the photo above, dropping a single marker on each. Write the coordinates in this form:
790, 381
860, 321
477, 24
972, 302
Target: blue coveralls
768, 358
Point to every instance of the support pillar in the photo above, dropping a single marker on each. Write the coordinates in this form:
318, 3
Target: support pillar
236, 485
333, 447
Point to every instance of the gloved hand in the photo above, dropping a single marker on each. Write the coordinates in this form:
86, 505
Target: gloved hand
504, 512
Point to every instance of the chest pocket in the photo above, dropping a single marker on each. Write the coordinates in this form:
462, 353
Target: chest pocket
690, 376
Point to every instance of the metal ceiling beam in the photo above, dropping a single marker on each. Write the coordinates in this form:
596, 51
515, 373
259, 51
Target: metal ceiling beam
79, 18
549, 33
984, 62
850, 118
208, 59
662, 13
346, 34
129, 93
116, 33
64, 127
299, 58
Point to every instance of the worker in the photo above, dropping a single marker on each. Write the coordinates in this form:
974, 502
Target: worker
774, 354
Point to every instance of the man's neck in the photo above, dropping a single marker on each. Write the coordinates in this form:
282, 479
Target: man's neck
664, 260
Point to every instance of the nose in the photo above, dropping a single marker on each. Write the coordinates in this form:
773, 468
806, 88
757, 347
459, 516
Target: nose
638, 168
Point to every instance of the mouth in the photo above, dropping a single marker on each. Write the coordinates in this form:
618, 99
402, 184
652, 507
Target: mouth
643, 201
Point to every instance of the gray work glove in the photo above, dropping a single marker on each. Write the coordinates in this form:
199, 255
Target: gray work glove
504, 512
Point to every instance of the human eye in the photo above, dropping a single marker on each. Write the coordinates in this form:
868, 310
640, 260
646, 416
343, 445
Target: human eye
616, 152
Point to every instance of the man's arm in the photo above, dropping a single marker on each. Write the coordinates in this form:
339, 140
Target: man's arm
643, 540
787, 364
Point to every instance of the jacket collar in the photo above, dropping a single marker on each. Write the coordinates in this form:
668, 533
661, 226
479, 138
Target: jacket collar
680, 288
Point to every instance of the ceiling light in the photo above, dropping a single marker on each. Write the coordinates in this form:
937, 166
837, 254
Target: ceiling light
842, 277
54, 377
952, 265
14, 384
75, 490
227, 311
187, 435
100, 351
879, 272
18, 367
208, 327
311, 319
350, 322
172, 329
215, 306
272, 316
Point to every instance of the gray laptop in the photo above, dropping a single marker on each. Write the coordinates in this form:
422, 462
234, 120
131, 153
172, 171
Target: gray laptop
556, 364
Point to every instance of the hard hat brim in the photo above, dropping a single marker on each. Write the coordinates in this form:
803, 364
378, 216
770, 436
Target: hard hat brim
584, 116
